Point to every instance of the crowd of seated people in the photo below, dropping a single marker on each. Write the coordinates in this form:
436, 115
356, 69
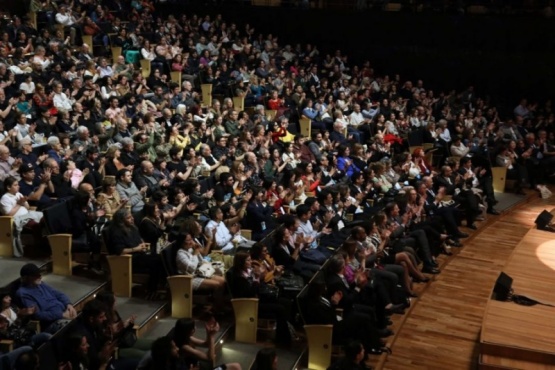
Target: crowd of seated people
148, 153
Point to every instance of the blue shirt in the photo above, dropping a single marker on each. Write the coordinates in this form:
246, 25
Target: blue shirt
50, 304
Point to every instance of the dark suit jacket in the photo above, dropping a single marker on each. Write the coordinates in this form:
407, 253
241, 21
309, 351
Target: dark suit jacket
282, 257
350, 296
442, 181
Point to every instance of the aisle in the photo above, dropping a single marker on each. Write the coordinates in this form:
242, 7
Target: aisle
442, 331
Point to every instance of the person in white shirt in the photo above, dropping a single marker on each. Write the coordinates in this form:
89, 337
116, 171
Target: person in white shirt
61, 101
224, 238
65, 18
458, 148
14, 204
356, 118
27, 86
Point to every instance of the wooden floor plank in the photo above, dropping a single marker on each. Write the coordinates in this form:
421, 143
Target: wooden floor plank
443, 327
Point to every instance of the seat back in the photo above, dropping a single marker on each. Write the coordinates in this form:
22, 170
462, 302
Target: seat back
121, 273
499, 177
176, 77
305, 125
246, 319
239, 103
145, 67
6, 236
60, 245
319, 338
181, 287
116, 52
206, 94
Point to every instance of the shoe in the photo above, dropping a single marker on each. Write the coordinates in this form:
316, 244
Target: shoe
472, 226
430, 270
447, 251
412, 294
396, 308
374, 351
389, 322
424, 280
462, 235
97, 271
434, 263
493, 212
454, 243
480, 218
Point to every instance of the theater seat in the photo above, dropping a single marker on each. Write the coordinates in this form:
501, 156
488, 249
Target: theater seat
6, 236
246, 319
319, 339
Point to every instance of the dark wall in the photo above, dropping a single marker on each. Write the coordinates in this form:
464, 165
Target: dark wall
505, 57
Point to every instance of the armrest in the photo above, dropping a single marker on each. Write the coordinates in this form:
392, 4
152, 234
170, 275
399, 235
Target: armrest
6, 345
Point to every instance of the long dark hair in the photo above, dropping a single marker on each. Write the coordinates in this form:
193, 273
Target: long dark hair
182, 331
265, 359
109, 299
239, 262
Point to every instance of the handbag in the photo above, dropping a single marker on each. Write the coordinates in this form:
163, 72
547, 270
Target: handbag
206, 270
268, 293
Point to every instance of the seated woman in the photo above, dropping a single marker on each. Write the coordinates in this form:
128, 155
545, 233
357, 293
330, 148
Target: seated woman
262, 260
117, 327
289, 256
84, 220
246, 281
420, 161
378, 238
76, 353
109, 199
152, 226
189, 259
14, 204
187, 343
126, 239
13, 325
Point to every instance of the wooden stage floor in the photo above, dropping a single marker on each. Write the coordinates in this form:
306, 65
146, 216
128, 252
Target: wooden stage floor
523, 337
442, 329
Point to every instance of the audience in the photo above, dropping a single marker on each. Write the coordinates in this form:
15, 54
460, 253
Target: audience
178, 165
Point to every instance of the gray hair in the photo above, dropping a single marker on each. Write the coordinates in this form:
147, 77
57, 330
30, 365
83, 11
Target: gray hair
81, 130
53, 140
126, 141
181, 109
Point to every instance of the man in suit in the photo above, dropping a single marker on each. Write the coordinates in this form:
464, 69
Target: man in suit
454, 186
317, 309
402, 235
479, 178
435, 209
363, 296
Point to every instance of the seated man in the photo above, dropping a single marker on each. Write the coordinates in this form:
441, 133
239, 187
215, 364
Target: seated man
52, 307
8, 165
33, 187
453, 184
128, 190
479, 178
145, 177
